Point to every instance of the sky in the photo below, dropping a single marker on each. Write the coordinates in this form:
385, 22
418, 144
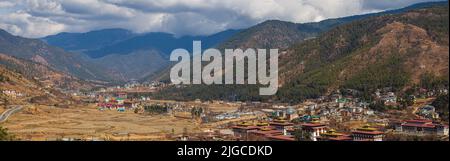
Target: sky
39, 18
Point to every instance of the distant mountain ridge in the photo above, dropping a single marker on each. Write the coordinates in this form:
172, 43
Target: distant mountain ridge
37, 51
282, 34
130, 56
89, 40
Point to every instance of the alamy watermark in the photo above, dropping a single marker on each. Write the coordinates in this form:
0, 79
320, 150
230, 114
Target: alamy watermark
258, 69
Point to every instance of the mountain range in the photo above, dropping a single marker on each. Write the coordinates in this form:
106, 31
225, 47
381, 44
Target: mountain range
394, 49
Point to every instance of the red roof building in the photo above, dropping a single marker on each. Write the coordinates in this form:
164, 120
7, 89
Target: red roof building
421, 127
314, 129
332, 135
367, 133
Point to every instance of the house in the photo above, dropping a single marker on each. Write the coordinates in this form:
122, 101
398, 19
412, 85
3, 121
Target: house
389, 99
428, 111
366, 133
263, 133
281, 125
314, 129
242, 130
291, 113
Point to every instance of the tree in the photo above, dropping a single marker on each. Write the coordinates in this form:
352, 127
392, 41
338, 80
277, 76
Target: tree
4, 134
301, 135
442, 106
185, 131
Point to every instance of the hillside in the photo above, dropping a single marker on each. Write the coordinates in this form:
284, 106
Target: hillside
281, 34
133, 66
128, 56
43, 75
18, 89
88, 41
393, 50
385, 51
56, 58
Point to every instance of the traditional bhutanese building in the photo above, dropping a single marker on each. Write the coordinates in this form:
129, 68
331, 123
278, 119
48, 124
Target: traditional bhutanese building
282, 125
332, 135
421, 127
263, 133
314, 129
366, 133
242, 130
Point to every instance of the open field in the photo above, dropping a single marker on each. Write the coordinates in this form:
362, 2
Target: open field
49, 123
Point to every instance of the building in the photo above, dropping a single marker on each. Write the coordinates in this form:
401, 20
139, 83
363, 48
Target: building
421, 127
282, 125
242, 130
366, 133
314, 129
263, 133
332, 135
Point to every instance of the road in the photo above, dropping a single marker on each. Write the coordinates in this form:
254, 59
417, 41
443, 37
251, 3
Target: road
4, 116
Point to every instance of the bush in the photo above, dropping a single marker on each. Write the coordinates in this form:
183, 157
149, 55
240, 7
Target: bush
4, 134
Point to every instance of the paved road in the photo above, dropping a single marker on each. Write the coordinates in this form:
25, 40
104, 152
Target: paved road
4, 116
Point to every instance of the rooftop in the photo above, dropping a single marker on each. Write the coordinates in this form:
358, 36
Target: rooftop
282, 137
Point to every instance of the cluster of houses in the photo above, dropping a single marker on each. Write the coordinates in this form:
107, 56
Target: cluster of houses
282, 130
119, 102
339, 109
388, 98
13, 93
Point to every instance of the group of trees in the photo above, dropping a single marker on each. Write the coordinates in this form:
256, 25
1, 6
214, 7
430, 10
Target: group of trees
196, 112
4, 134
442, 106
157, 109
3, 78
301, 135
431, 82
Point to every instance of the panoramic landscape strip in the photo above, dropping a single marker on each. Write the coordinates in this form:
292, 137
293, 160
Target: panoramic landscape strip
292, 70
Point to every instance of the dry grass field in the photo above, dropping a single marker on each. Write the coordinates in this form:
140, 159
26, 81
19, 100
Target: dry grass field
89, 123
39, 122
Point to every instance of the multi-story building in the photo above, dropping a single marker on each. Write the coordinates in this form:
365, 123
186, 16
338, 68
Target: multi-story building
367, 133
314, 129
421, 127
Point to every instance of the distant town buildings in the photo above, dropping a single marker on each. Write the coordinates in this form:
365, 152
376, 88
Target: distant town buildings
13, 93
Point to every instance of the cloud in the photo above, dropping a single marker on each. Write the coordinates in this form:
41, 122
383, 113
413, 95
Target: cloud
22, 23
6, 4
37, 18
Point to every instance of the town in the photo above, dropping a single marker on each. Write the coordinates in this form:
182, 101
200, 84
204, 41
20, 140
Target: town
339, 116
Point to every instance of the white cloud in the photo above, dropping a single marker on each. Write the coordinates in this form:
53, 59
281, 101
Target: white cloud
22, 23
36, 18
6, 4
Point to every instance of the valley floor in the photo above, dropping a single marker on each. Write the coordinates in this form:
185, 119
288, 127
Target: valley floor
89, 123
